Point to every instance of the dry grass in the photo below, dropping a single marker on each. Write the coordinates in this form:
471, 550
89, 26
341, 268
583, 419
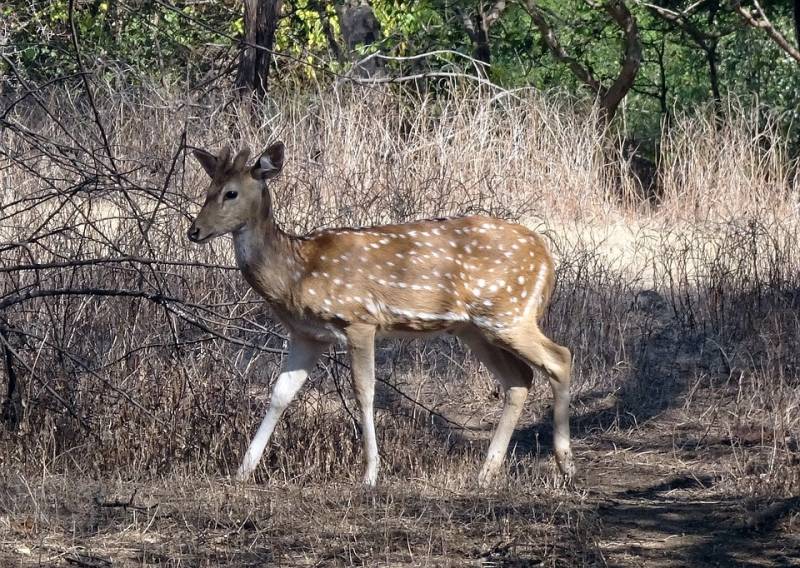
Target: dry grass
407, 523
146, 370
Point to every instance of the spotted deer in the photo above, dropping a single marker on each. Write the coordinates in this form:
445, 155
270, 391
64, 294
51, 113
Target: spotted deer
482, 279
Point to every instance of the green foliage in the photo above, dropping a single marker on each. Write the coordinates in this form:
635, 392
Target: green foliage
143, 38
414, 26
301, 30
113, 36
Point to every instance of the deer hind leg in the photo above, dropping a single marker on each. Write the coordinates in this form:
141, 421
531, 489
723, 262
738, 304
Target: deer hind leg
515, 376
303, 356
361, 343
556, 362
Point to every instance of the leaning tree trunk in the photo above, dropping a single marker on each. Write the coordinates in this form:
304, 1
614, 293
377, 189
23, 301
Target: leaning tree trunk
610, 96
260, 23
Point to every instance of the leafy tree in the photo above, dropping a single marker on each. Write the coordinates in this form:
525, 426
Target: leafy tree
641, 59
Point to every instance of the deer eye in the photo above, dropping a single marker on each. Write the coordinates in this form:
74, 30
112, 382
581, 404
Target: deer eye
231, 195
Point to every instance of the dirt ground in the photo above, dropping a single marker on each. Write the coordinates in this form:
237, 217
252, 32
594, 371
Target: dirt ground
650, 494
660, 512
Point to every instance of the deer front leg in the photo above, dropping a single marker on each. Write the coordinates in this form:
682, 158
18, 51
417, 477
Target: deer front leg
303, 355
361, 342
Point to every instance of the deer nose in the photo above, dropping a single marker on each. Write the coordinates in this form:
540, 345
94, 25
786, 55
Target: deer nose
193, 234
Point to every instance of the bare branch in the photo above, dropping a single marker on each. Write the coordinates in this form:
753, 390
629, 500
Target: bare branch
760, 21
84, 77
561, 55
429, 75
172, 304
67, 406
173, 164
680, 19
495, 12
109, 260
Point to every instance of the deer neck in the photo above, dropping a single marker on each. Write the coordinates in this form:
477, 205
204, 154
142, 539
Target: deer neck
268, 258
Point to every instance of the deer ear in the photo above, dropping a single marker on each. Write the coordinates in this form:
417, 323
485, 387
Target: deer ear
270, 163
207, 160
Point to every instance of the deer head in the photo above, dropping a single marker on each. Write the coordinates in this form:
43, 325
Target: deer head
237, 193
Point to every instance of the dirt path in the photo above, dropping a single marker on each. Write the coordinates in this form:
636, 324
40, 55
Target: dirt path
662, 478
657, 512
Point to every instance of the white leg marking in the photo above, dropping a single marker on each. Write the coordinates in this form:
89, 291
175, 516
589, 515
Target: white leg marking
361, 342
514, 401
300, 362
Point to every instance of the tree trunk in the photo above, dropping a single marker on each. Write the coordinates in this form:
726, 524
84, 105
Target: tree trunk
483, 50
662, 80
327, 29
260, 23
797, 22
478, 28
609, 97
612, 97
713, 76
712, 59
11, 413
360, 27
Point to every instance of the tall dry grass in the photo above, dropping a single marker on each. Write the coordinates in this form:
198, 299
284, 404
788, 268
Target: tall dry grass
730, 167
139, 354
